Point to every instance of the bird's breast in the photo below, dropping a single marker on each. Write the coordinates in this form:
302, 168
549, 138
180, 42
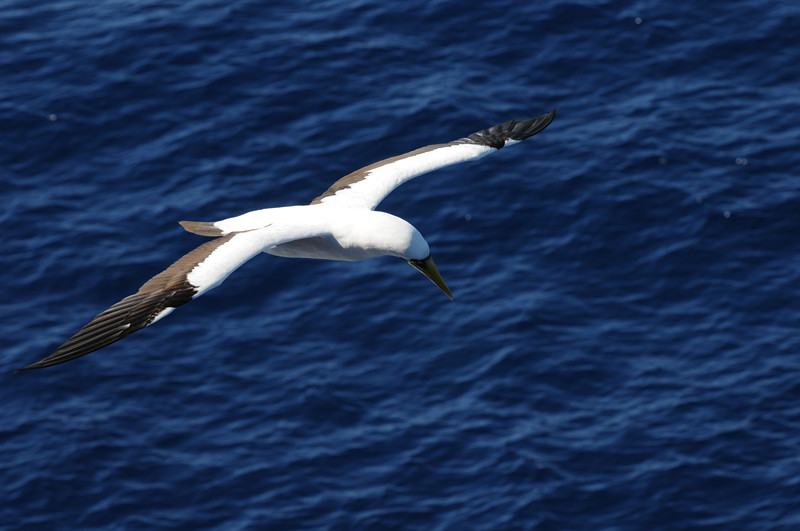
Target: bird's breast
321, 248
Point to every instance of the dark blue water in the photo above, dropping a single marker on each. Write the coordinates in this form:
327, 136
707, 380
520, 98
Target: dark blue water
623, 351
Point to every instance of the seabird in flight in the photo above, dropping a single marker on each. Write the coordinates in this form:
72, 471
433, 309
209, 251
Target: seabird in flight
341, 224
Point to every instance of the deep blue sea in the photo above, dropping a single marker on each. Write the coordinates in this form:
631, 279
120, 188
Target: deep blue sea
623, 350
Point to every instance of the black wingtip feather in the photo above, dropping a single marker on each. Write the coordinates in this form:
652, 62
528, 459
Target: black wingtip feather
168, 289
122, 319
498, 135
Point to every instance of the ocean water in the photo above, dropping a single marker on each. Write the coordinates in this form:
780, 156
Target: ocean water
623, 350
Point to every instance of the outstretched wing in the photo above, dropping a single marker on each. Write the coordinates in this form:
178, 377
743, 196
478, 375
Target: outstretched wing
368, 186
192, 275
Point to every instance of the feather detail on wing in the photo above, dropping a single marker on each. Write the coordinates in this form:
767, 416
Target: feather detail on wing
367, 186
189, 277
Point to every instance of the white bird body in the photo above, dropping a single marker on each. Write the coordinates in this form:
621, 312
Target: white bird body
330, 232
355, 234
308, 231
341, 224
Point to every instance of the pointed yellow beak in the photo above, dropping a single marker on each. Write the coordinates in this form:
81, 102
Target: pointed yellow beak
428, 268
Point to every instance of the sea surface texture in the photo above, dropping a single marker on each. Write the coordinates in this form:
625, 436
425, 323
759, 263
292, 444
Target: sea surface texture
623, 350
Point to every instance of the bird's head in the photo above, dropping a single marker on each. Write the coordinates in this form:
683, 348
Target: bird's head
385, 234
417, 253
